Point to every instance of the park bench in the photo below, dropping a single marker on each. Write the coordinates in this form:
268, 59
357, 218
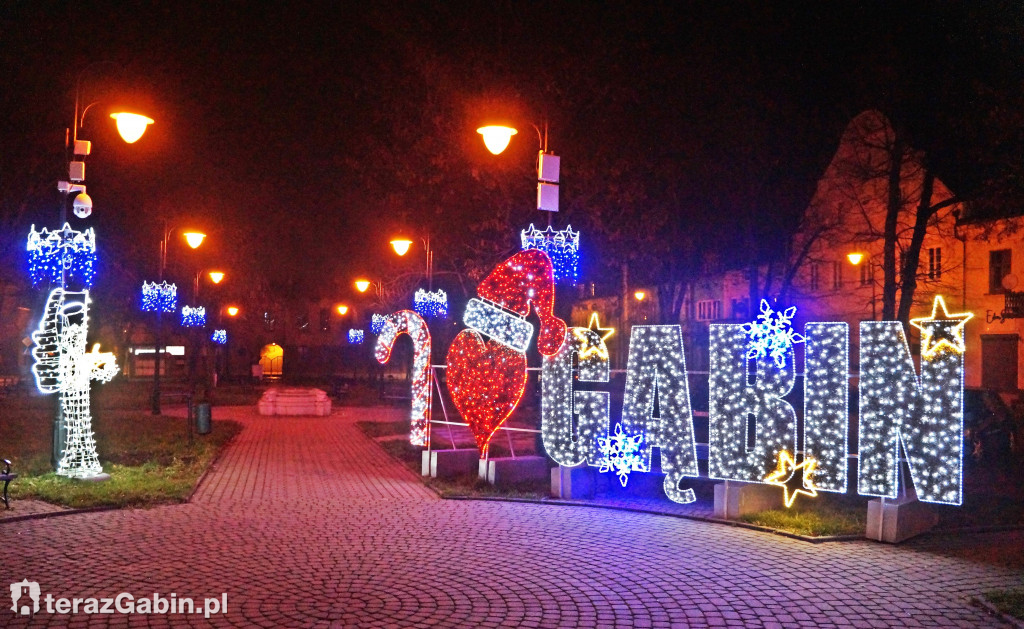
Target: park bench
7, 477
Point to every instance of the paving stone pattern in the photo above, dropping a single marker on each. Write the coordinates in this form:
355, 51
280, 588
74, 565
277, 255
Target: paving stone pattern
304, 522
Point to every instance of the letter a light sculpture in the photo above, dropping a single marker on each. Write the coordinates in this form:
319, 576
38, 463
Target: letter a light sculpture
63, 366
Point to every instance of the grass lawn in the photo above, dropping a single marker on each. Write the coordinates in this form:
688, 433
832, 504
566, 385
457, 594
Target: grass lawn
830, 515
148, 457
1008, 601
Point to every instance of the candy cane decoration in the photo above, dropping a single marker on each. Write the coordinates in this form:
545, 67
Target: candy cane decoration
409, 322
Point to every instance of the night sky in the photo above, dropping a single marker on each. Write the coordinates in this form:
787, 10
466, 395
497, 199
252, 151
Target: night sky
300, 135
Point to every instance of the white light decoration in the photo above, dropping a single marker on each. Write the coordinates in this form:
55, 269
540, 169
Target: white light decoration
63, 366
772, 334
656, 371
193, 317
566, 446
219, 337
622, 454
411, 323
562, 246
504, 327
377, 322
162, 297
355, 337
56, 256
826, 402
924, 414
733, 402
431, 304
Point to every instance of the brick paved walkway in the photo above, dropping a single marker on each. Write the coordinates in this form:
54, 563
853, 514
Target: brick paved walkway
305, 522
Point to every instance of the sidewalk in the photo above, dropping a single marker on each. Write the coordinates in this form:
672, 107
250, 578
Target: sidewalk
304, 522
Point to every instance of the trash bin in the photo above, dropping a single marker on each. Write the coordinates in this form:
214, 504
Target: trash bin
203, 418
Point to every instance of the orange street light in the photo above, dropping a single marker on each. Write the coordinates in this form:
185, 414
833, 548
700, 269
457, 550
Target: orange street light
342, 309
232, 311
496, 137
194, 239
131, 126
362, 285
401, 245
640, 295
855, 258
216, 276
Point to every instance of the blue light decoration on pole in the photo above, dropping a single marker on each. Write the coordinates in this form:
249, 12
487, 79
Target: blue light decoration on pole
377, 322
562, 246
56, 257
193, 317
355, 337
159, 297
220, 337
431, 304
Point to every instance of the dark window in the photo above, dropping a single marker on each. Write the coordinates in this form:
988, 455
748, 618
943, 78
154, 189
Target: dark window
269, 321
325, 320
998, 268
935, 263
865, 274
815, 276
302, 322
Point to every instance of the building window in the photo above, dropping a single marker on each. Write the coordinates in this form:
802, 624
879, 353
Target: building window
709, 309
935, 263
865, 274
815, 276
998, 268
837, 275
325, 320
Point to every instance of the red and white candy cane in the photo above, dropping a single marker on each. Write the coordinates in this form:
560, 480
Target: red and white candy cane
411, 323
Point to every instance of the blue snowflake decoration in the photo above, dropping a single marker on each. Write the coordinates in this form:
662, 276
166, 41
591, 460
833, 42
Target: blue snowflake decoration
431, 304
621, 454
377, 323
772, 334
563, 247
54, 256
159, 297
355, 337
219, 337
193, 317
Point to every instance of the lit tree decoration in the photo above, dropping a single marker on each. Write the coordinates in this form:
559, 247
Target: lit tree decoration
656, 371
924, 414
826, 402
55, 256
63, 366
563, 247
162, 297
734, 403
772, 334
621, 453
431, 304
355, 337
193, 317
219, 337
783, 475
559, 401
411, 323
377, 322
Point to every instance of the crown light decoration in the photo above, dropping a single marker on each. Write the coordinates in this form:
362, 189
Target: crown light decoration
562, 246
220, 337
431, 304
57, 256
193, 317
355, 337
377, 322
159, 297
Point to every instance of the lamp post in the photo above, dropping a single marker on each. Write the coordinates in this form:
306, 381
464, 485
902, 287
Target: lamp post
856, 258
401, 245
496, 139
194, 240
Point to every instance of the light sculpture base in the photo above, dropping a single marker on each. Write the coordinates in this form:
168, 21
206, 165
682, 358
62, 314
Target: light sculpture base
505, 471
573, 482
897, 520
734, 499
449, 463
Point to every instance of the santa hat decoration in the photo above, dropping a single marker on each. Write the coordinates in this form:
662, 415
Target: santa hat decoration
524, 279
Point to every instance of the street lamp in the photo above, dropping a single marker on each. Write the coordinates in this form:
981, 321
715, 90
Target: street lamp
855, 258
194, 239
232, 311
496, 137
640, 295
401, 245
131, 126
342, 309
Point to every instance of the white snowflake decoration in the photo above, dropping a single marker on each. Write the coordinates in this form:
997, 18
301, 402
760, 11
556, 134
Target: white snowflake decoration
772, 334
622, 454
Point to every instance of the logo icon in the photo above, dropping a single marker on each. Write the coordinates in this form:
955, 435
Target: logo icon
30, 591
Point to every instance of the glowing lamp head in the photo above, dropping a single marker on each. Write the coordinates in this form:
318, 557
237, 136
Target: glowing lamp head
401, 245
342, 309
194, 239
640, 295
232, 311
131, 126
855, 258
362, 285
496, 138
216, 276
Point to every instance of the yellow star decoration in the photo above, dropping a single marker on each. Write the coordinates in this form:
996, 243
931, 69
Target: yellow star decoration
785, 472
595, 326
945, 331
